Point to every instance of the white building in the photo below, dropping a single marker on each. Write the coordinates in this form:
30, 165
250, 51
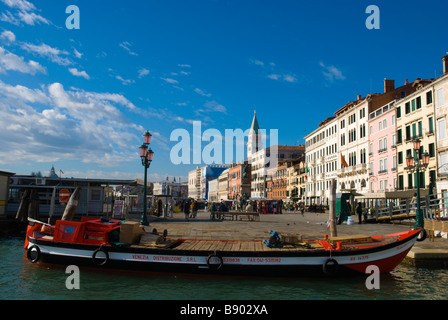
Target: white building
213, 190
322, 161
352, 122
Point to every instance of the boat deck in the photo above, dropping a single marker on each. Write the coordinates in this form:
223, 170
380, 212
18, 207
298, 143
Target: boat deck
224, 245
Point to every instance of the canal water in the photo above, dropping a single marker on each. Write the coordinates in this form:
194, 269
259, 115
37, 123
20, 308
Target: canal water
21, 280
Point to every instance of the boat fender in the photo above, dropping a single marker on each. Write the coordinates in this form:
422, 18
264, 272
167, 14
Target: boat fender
214, 266
33, 253
100, 261
330, 267
422, 235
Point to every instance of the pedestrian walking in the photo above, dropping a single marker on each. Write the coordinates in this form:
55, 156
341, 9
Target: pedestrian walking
414, 202
359, 212
187, 210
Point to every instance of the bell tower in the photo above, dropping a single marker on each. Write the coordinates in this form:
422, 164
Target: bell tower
254, 138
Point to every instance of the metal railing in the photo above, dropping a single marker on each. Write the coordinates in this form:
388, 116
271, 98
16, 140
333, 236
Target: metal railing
434, 207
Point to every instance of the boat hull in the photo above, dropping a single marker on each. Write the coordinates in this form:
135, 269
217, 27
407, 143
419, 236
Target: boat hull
285, 263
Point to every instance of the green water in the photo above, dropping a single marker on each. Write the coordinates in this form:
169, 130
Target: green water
21, 280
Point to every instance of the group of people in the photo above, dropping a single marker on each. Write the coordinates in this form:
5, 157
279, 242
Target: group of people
191, 207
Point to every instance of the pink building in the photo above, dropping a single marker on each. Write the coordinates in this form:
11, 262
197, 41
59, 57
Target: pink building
382, 149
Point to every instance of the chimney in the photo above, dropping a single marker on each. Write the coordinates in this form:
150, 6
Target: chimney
358, 96
445, 64
389, 85
406, 82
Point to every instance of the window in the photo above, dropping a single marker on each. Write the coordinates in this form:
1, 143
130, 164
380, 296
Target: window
384, 124
398, 112
419, 102
362, 113
393, 119
400, 182
440, 98
408, 133
413, 104
400, 157
429, 97
362, 131
408, 107
399, 136
420, 129
442, 129
380, 125
431, 124
431, 150
443, 164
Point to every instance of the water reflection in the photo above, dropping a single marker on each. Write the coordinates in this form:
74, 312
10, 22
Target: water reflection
20, 279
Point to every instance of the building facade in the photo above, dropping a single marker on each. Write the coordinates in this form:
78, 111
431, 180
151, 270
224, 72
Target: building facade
440, 94
322, 161
198, 180
383, 150
415, 120
239, 180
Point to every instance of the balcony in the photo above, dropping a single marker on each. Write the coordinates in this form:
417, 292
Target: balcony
382, 171
382, 150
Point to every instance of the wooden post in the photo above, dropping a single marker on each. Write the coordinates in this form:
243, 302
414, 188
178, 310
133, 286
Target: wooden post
22, 212
72, 205
332, 218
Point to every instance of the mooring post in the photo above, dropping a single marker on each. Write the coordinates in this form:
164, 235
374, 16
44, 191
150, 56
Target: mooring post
332, 218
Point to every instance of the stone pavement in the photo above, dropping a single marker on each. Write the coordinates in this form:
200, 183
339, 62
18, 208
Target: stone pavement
311, 226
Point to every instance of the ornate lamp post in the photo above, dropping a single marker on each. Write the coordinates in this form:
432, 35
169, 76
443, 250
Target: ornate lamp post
146, 155
415, 165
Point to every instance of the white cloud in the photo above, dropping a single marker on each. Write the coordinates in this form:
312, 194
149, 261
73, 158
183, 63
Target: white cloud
20, 4
10, 61
77, 53
143, 72
90, 123
127, 46
31, 18
8, 35
289, 78
169, 80
331, 73
54, 54
215, 106
184, 65
25, 13
274, 76
78, 73
124, 81
272, 73
202, 92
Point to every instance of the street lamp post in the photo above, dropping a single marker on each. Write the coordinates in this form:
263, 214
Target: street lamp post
414, 164
146, 155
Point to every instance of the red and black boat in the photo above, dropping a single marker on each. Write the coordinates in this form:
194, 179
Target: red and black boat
96, 242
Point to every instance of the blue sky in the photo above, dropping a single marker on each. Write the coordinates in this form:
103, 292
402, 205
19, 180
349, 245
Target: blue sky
81, 99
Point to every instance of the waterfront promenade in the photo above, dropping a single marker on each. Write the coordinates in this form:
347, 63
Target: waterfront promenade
310, 226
